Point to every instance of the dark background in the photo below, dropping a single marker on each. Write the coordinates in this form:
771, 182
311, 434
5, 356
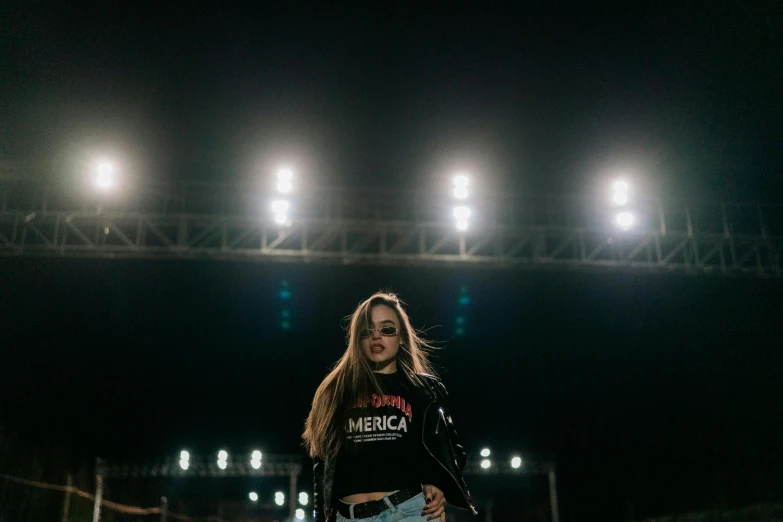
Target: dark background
657, 394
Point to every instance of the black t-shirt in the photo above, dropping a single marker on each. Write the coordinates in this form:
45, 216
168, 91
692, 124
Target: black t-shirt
383, 449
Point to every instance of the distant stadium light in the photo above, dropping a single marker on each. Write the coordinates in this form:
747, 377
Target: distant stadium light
462, 225
486, 463
285, 174
253, 496
620, 193
279, 498
625, 220
485, 452
284, 177
255, 459
281, 218
303, 498
184, 459
222, 459
300, 514
516, 462
280, 206
105, 177
460, 187
462, 213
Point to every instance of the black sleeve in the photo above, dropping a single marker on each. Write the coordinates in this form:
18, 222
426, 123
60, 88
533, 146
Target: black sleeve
318, 490
459, 450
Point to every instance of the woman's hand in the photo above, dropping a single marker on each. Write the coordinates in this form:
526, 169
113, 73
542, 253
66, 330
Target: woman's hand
436, 503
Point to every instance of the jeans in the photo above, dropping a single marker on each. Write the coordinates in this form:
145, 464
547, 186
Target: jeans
408, 511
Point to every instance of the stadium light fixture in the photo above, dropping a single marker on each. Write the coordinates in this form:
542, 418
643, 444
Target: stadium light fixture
104, 179
300, 514
280, 210
253, 496
184, 460
625, 220
284, 180
304, 498
222, 461
620, 193
460, 186
255, 459
486, 463
485, 452
279, 498
516, 462
462, 214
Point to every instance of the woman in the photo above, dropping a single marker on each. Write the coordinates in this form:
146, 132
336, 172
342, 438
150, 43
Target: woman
379, 431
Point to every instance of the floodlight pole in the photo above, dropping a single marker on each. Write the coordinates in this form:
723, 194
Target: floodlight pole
292, 496
553, 494
99, 469
68, 492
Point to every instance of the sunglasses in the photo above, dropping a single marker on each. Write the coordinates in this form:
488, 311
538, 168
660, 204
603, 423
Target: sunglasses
386, 331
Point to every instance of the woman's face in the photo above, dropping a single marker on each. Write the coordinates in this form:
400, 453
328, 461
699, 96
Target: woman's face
382, 349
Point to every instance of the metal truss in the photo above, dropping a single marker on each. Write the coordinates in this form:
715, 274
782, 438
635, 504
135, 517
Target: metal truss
403, 228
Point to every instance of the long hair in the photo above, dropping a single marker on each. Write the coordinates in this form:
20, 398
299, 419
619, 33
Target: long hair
352, 377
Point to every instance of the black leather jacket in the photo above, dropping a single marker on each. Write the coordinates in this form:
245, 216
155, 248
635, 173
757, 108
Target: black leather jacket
439, 438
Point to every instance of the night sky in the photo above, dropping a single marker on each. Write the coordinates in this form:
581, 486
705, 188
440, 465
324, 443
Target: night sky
657, 394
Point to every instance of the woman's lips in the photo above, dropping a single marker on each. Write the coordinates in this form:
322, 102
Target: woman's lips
377, 348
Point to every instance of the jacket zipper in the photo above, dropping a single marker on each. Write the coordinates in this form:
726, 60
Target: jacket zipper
436, 459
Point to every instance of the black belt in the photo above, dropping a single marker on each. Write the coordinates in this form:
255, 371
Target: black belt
375, 507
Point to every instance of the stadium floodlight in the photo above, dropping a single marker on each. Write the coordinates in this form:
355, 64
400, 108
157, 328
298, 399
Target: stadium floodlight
485, 452
105, 178
300, 514
255, 459
222, 459
284, 177
184, 459
486, 463
253, 496
461, 181
279, 498
625, 220
462, 225
303, 498
620, 193
280, 206
516, 462
462, 213
460, 186
280, 209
